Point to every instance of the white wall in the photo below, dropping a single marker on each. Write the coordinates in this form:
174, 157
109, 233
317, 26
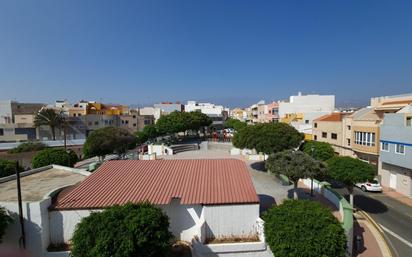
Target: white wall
206, 108
307, 104
63, 224
5, 111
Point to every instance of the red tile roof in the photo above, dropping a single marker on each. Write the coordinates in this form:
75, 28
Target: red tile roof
217, 181
336, 116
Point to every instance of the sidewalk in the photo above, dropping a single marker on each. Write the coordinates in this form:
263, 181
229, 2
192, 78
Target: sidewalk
397, 196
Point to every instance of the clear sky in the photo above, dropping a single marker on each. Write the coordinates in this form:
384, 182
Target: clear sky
230, 52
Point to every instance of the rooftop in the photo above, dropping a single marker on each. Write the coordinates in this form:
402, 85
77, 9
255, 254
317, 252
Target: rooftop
207, 181
35, 184
334, 117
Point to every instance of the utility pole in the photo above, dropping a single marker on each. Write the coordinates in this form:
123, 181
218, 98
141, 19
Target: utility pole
311, 179
22, 240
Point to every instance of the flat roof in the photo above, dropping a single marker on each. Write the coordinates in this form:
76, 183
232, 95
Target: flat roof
35, 184
206, 181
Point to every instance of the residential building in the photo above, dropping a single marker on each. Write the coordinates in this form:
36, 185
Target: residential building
331, 128
168, 107
217, 113
239, 114
395, 163
129, 122
301, 110
272, 112
257, 112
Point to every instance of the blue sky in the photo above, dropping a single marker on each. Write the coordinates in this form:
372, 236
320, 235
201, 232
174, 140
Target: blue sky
230, 52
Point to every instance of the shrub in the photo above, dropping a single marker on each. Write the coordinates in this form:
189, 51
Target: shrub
303, 228
5, 220
28, 147
57, 156
322, 151
8, 168
138, 230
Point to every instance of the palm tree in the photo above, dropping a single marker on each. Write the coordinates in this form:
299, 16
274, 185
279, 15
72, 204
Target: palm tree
49, 117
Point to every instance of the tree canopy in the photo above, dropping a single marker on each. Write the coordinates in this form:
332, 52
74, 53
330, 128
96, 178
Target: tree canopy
28, 147
303, 228
131, 230
322, 151
176, 122
235, 124
49, 117
59, 156
108, 140
5, 220
268, 137
8, 168
295, 165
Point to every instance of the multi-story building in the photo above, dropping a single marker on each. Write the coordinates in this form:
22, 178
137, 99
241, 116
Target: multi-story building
168, 107
218, 113
395, 162
239, 114
257, 112
332, 129
272, 112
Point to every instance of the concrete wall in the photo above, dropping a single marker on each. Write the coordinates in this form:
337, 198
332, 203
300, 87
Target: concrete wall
307, 104
403, 178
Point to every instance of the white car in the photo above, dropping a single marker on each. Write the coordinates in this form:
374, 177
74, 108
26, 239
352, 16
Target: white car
373, 186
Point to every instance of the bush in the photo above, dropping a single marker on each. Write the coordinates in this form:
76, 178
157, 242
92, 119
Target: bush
5, 220
322, 151
303, 228
57, 156
28, 147
8, 168
138, 230
235, 124
268, 137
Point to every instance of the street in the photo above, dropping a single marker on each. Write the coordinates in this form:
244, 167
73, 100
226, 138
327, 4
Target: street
394, 217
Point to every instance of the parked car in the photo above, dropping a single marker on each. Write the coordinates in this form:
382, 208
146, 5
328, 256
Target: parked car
373, 186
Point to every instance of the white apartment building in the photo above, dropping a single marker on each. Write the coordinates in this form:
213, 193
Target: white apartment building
206, 108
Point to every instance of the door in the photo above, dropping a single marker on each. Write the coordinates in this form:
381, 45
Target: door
392, 181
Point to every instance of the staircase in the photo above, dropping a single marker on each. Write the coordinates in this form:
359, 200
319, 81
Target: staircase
184, 148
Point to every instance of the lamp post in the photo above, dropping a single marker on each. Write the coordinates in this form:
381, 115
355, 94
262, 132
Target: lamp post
22, 240
312, 149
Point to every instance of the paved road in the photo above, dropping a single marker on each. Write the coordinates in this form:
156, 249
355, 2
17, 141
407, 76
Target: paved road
394, 217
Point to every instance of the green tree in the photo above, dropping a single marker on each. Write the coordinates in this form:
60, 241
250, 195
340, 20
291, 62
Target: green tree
172, 123
350, 171
108, 140
321, 151
131, 230
295, 165
235, 124
50, 118
57, 156
268, 137
197, 120
303, 228
5, 220
8, 168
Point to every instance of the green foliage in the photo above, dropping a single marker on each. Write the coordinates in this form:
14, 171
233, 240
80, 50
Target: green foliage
176, 122
322, 151
49, 117
268, 137
149, 132
108, 140
234, 124
350, 171
28, 147
295, 165
196, 120
135, 230
8, 168
303, 228
5, 220
57, 156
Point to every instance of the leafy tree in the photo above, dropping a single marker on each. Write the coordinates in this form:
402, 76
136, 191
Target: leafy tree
108, 140
268, 137
57, 156
322, 151
49, 117
235, 124
28, 147
197, 120
5, 220
131, 230
149, 132
8, 168
295, 165
303, 228
172, 123
350, 171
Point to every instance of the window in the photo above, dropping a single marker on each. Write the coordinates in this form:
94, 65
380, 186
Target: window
134, 124
385, 146
79, 114
306, 121
409, 121
334, 136
400, 149
348, 141
324, 134
134, 116
1, 132
315, 137
365, 138
96, 123
315, 125
349, 127
127, 122
74, 115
